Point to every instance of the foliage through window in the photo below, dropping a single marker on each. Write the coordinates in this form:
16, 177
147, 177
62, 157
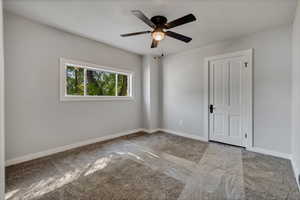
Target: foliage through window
101, 83
84, 81
75, 80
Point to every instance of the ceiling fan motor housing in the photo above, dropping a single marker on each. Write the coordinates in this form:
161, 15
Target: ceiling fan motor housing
159, 21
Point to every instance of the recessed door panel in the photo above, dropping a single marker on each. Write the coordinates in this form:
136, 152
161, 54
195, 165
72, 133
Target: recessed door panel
234, 125
219, 125
219, 74
235, 82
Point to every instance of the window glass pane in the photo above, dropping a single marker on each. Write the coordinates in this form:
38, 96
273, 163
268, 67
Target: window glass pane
100, 83
122, 85
74, 80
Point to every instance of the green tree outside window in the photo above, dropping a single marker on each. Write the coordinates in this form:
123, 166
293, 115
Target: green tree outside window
75, 85
98, 83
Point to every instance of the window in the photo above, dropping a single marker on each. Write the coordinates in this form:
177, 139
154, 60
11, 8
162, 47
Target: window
84, 81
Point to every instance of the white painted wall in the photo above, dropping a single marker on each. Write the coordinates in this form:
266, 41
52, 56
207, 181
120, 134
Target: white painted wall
151, 82
2, 160
155, 82
35, 119
183, 87
296, 93
146, 92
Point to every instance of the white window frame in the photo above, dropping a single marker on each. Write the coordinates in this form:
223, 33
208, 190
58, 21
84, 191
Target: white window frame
63, 85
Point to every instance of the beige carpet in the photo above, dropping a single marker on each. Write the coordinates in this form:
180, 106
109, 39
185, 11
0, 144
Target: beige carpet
159, 166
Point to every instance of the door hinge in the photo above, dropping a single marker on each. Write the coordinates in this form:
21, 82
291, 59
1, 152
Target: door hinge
246, 64
246, 135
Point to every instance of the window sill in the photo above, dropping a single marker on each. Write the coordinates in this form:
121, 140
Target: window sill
97, 98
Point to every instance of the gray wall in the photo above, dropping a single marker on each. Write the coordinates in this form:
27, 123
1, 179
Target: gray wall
146, 92
183, 87
296, 93
154, 93
35, 119
1, 106
151, 82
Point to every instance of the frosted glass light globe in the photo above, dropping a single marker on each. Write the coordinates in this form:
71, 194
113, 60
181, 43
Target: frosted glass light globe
158, 35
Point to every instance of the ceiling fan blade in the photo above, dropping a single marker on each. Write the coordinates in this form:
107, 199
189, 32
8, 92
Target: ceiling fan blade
178, 36
143, 17
154, 43
135, 33
180, 21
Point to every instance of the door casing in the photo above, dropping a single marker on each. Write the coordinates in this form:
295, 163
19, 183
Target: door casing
248, 142
2, 108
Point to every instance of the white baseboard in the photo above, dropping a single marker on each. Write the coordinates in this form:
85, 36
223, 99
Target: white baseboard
151, 130
296, 170
67, 147
186, 135
269, 152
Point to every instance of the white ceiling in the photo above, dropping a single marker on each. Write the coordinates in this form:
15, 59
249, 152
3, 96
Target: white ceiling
104, 21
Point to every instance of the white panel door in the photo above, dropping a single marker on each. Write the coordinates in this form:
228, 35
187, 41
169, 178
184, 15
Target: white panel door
226, 100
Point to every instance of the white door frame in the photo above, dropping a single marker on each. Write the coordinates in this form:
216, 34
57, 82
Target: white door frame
249, 54
2, 156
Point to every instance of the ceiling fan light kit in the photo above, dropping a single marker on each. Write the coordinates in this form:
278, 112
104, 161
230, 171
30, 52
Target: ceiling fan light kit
159, 23
158, 35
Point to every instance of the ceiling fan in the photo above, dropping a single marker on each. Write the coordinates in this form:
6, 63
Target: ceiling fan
159, 23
